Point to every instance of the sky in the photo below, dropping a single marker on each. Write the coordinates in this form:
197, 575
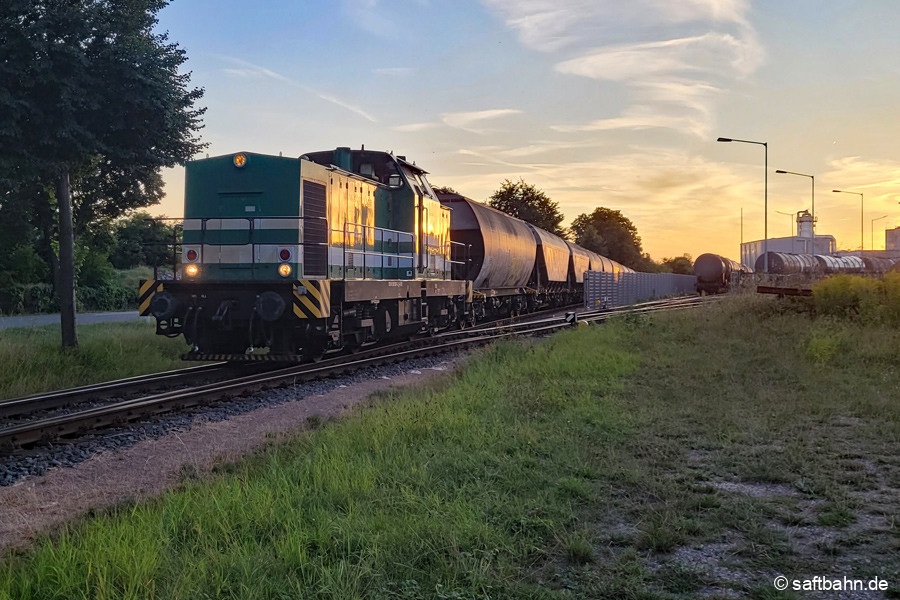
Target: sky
597, 102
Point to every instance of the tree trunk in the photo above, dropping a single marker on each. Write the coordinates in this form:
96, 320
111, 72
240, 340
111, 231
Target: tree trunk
65, 284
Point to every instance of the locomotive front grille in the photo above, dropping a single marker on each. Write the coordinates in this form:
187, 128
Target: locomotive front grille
315, 234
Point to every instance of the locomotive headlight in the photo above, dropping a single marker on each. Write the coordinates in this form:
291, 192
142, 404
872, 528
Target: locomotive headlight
191, 270
284, 270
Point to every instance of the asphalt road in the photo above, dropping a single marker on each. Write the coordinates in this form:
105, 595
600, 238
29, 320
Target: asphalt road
82, 319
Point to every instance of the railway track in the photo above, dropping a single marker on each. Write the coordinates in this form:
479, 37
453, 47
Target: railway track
40, 429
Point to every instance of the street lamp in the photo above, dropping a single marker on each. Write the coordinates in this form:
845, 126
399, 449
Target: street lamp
813, 182
792, 220
873, 229
765, 145
860, 215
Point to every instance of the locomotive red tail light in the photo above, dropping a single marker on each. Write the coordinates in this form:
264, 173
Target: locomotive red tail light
192, 255
285, 254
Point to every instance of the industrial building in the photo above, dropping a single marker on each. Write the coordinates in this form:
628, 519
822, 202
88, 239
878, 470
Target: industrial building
802, 243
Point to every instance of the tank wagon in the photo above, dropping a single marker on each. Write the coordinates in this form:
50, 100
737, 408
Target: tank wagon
344, 247
781, 263
513, 265
878, 264
716, 274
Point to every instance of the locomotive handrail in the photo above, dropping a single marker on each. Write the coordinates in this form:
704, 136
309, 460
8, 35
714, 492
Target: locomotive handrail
363, 230
468, 248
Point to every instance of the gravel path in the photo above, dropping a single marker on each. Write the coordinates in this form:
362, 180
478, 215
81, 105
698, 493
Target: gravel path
44, 487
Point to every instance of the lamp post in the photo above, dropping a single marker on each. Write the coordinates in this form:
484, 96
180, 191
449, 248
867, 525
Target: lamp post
791, 215
860, 215
873, 229
765, 145
812, 180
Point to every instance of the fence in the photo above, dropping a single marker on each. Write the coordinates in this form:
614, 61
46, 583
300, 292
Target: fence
607, 290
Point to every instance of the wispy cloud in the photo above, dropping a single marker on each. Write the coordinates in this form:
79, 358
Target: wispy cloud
466, 120
672, 83
368, 16
249, 70
856, 173
413, 127
710, 53
646, 184
551, 25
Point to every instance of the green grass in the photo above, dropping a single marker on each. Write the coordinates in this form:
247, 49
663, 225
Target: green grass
448, 490
595, 464
32, 360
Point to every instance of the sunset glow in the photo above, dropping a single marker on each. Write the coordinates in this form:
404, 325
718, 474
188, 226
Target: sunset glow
597, 102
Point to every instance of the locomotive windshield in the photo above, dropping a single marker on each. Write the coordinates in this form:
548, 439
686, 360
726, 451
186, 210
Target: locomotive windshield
379, 167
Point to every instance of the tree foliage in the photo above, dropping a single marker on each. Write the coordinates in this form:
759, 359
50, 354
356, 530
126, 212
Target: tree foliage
530, 204
92, 106
610, 233
683, 265
443, 189
142, 240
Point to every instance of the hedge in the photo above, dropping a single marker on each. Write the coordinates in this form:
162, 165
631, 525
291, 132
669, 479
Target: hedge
39, 298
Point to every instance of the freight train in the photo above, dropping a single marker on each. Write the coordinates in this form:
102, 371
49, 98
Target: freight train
340, 248
818, 265
717, 274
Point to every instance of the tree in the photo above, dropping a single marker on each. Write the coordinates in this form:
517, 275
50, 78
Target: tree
90, 91
141, 240
443, 189
612, 234
683, 265
530, 204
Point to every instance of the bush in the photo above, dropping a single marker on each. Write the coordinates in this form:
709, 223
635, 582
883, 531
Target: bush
28, 298
36, 298
862, 298
107, 297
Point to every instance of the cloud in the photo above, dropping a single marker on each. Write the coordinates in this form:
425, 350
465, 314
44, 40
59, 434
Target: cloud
249, 70
662, 191
681, 105
412, 127
551, 25
465, 120
711, 53
371, 18
855, 173
671, 83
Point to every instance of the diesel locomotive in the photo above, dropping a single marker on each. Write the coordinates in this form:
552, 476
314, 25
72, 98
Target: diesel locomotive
340, 248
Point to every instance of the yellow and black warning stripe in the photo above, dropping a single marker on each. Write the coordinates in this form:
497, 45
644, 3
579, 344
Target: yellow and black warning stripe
312, 299
148, 289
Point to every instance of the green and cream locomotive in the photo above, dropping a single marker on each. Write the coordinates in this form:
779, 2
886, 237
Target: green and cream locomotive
331, 250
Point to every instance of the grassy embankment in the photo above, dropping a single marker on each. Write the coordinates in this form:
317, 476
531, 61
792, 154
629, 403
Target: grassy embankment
701, 451
32, 361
